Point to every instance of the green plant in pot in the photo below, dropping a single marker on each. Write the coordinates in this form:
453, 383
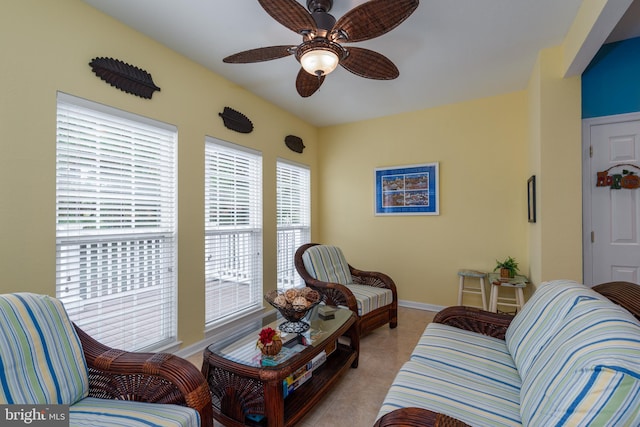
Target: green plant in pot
508, 268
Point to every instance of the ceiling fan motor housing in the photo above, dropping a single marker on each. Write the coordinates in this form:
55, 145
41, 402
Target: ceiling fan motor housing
319, 5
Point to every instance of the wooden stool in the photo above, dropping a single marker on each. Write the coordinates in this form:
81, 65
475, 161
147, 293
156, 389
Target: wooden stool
517, 301
472, 290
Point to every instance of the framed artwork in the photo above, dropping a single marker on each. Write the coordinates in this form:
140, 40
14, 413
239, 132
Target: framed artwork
407, 190
531, 199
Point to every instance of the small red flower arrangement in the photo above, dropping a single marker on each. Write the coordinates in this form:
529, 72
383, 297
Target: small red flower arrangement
269, 341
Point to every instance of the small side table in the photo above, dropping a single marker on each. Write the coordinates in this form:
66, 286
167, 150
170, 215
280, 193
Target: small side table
517, 283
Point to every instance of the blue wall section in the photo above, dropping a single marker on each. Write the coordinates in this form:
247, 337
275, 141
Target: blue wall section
611, 83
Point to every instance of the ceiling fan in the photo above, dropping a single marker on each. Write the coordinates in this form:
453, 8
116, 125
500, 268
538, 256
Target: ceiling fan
321, 50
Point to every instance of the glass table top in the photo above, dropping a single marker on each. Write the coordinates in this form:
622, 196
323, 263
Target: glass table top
241, 347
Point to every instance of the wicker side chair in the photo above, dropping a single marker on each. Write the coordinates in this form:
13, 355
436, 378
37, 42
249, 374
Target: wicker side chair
495, 325
364, 298
88, 375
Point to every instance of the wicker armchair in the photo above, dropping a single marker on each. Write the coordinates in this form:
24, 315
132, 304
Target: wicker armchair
495, 325
110, 387
340, 292
145, 377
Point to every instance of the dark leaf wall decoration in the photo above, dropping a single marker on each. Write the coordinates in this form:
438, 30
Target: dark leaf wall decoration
124, 76
235, 120
294, 143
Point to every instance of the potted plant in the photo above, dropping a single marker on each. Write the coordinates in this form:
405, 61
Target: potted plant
508, 268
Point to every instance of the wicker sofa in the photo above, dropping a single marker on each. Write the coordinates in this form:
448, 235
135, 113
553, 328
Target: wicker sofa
570, 357
47, 360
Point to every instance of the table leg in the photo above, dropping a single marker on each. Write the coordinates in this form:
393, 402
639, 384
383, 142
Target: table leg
274, 403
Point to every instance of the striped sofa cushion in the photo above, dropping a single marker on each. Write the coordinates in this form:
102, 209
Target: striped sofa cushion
328, 264
467, 398
589, 371
92, 412
41, 358
481, 357
537, 323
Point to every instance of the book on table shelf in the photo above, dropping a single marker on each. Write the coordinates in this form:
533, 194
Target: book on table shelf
303, 374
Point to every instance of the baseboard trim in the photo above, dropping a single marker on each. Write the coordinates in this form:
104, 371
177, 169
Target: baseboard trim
420, 305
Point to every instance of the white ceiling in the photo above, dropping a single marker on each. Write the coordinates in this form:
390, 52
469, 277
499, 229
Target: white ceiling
447, 51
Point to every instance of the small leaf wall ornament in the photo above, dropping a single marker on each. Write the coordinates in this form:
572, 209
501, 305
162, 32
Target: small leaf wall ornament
235, 120
294, 143
123, 76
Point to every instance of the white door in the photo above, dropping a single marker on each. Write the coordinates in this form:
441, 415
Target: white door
611, 216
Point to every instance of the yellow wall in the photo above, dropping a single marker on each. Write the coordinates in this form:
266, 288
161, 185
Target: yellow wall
46, 47
486, 149
481, 147
556, 160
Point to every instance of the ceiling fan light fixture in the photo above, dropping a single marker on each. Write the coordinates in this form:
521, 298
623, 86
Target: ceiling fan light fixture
319, 62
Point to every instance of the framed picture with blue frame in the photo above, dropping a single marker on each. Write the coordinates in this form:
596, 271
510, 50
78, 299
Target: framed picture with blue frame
407, 190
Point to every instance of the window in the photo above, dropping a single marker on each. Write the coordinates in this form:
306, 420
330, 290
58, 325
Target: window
115, 224
294, 219
233, 230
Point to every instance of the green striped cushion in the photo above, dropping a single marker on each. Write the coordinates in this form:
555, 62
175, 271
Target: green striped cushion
370, 298
589, 372
484, 358
328, 264
41, 358
538, 321
92, 412
474, 401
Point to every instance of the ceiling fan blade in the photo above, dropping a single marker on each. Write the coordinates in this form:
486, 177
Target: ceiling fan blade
291, 14
306, 84
374, 18
369, 64
259, 55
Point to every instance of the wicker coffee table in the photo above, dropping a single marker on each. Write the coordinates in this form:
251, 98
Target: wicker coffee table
249, 389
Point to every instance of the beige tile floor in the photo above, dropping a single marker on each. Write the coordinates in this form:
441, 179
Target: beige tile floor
355, 399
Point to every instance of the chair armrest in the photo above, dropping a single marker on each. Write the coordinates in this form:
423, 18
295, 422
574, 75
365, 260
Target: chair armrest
145, 377
417, 417
625, 294
333, 293
372, 278
475, 320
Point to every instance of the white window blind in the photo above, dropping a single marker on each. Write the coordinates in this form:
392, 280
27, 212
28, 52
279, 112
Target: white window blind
294, 219
116, 224
233, 231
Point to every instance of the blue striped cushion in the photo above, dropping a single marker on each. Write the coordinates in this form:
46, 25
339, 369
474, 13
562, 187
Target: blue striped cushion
483, 358
92, 412
370, 298
328, 264
467, 398
41, 358
589, 371
536, 324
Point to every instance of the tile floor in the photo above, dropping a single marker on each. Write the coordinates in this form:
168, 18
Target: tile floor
356, 398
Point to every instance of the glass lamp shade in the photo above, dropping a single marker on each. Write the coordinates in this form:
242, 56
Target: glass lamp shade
319, 62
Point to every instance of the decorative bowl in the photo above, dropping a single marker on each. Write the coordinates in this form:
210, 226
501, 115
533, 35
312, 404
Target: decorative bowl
294, 305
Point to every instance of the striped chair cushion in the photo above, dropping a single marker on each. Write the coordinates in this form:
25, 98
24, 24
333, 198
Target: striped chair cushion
328, 264
474, 401
589, 372
41, 358
92, 412
483, 358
